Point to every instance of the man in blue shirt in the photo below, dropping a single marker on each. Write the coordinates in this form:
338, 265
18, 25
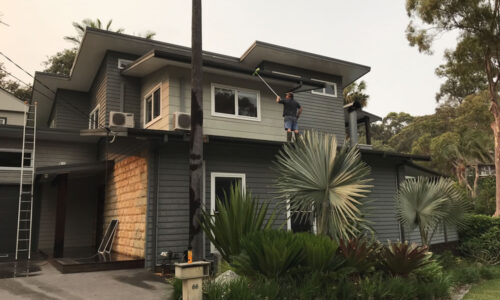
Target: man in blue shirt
291, 113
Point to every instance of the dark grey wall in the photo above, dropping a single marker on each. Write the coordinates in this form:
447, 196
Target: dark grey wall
8, 218
173, 190
71, 110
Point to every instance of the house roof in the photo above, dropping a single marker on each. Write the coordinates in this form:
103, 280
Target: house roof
9, 102
97, 42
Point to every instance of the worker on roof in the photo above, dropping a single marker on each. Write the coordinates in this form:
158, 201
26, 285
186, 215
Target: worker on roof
291, 113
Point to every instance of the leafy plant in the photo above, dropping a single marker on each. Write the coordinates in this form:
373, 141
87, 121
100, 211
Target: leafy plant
313, 176
430, 272
320, 252
426, 203
238, 215
485, 247
400, 259
360, 253
270, 253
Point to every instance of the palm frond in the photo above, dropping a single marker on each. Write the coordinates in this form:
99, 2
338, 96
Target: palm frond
314, 176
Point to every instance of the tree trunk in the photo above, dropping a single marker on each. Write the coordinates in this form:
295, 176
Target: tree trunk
196, 139
495, 125
476, 181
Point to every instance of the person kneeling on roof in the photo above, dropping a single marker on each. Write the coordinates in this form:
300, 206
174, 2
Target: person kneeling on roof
291, 113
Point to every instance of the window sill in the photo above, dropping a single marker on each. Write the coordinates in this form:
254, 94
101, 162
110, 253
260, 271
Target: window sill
153, 121
322, 94
221, 115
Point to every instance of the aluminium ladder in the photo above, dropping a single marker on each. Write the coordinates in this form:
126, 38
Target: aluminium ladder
26, 183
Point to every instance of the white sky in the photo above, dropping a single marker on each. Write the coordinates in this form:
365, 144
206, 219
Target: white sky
362, 31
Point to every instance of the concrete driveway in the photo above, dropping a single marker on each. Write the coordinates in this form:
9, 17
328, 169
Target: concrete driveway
49, 284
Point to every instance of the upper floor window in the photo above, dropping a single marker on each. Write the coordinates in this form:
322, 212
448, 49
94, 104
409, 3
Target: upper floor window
235, 103
94, 118
330, 88
152, 106
3, 121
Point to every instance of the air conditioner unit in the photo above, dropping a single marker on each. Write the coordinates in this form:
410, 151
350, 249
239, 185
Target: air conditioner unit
123, 63
121, 119
182, 121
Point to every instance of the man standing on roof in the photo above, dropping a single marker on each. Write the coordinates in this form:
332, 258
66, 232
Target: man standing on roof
291, 113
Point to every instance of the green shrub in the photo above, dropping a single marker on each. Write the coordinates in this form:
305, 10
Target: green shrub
446, 259
477, 225
429, 272
437, 289
485, 200
270, 253
236, 289
465, 275
177, 284
360, 254
238, 215
372, 287
401, 288
484, 247
400, 259
320, 252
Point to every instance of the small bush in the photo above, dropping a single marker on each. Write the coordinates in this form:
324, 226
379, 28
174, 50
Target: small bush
429, 272
400, 259
177, 284
239, 214
372, 287
465, 275
270, 253
484, 247
477, 225
360, 254
320, 252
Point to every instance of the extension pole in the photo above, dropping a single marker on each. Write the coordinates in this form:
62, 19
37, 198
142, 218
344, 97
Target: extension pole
270, 88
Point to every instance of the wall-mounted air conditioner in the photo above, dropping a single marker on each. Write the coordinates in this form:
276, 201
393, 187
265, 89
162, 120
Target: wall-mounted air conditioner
182, 121
121, 119
123, 63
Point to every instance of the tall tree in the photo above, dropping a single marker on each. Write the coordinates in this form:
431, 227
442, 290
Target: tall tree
18, 89
478, 25
80, 29
356, 92
196, 138
61, 62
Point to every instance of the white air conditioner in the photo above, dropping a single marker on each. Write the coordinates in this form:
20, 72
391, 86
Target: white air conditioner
121, 119
182, 121
123, 63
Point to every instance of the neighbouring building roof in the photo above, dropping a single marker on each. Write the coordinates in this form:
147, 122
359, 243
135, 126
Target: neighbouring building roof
9, 102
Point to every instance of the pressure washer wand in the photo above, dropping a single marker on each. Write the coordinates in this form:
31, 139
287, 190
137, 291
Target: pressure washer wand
270, 88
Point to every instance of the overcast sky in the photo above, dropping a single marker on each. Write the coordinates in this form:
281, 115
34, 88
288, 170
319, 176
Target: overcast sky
362, 31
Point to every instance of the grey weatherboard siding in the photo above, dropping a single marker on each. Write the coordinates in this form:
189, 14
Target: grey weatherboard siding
256, 162
71, 110
173, 186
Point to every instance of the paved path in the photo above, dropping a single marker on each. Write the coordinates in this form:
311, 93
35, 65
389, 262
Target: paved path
119, 284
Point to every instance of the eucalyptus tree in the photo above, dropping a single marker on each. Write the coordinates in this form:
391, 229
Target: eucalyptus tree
319, 180
475, 63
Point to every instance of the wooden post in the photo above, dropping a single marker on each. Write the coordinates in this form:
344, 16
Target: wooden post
62, 196
196, 138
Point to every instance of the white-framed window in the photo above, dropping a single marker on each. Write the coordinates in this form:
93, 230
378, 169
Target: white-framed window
11, 158
3, 121
330, 89
232, 102
221, 183
296, 223
152, 105
94, 118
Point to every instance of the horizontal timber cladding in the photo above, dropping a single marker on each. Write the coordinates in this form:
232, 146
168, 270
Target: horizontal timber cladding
71, 110
173, 184
380, 207
322, 113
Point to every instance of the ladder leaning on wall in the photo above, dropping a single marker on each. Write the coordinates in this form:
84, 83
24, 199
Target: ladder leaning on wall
26, 183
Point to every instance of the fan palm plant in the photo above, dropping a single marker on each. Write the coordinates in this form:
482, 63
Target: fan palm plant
355, 92
316, 177
427, 203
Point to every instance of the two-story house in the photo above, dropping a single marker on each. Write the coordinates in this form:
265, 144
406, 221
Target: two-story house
116, 134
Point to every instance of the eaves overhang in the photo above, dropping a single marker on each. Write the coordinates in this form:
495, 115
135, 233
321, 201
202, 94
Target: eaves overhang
47, 134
